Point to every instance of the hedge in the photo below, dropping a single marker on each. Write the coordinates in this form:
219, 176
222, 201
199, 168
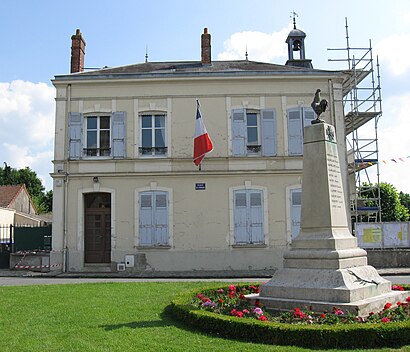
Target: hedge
366, 335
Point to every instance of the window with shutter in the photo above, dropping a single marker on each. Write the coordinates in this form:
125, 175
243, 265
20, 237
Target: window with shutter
96, 135
253, 132
153, 218
248, 217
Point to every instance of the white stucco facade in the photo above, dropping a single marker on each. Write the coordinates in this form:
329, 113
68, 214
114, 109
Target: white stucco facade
201, 222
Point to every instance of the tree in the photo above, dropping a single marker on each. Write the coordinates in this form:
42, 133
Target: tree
10, 176
392, 209
405, 200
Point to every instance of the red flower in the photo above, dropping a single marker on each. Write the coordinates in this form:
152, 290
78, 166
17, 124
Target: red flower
199, 295
397, 288
233, 312
257, 304
239, 314
323, 315
385, 320
231, 294
408, 299
298, 313
242, 296
387, 306
399, 304
205, 299
220, 300
221, 290
232, 288
262, 318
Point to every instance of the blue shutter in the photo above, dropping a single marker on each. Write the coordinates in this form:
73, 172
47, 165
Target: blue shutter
268, 132
238, 132
255, 226
75, 126
295, 135
145, 219
308, 116
295, 211
118, 134
240, 217
161, 218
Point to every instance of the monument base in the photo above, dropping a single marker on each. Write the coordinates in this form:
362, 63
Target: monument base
361, 308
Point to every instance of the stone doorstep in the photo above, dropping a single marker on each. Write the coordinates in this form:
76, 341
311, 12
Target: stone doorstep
360, 308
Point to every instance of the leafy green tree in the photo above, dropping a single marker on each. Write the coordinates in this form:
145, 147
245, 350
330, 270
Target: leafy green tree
405, 200
391, 207
42, 200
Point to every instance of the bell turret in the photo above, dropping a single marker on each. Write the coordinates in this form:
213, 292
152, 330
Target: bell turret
296, 44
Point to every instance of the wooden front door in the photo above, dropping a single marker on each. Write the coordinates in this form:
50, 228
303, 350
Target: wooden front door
97, 230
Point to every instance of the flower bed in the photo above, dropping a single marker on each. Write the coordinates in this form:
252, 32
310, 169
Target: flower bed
232, 301
226, 312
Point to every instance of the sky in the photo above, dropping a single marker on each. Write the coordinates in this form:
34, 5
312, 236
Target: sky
35, 46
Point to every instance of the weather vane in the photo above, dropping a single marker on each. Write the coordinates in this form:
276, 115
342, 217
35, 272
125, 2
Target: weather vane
294, 15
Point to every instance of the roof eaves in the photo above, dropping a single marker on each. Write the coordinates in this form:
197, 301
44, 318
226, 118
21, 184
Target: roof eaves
155, 75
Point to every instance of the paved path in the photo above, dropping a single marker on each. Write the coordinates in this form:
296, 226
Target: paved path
23, 281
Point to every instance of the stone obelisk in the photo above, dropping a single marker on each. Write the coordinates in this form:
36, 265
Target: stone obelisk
324, 267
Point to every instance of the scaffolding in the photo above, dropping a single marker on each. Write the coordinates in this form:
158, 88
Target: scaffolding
363, 109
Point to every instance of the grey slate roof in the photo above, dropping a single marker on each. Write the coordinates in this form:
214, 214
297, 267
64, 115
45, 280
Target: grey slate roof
193, 68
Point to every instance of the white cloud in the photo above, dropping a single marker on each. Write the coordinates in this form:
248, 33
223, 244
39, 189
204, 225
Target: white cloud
265, 47
27, 126
394, 53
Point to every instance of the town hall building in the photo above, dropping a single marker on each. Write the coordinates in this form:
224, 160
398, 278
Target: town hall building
127, 195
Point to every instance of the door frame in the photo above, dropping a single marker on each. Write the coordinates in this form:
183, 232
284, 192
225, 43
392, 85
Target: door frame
80, 240
104, 252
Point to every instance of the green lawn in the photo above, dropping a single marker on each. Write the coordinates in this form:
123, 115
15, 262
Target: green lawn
104, 317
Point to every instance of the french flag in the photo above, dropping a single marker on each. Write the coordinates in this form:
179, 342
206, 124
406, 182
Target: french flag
202, 142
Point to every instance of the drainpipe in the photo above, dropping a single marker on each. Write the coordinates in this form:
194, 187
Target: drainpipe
65, 193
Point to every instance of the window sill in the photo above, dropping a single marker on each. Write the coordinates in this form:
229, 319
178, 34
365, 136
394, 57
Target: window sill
165, 246
153, 156
250, 245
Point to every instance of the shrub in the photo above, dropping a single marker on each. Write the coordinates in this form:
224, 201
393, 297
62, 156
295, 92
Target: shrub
224, 320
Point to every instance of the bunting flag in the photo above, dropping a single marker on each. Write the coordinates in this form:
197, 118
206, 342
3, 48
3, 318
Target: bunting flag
202, 142
384, 161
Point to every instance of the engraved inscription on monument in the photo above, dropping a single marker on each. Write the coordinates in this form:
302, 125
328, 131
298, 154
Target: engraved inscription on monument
335, 179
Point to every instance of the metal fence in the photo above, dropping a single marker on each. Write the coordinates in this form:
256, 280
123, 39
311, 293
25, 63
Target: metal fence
15, 238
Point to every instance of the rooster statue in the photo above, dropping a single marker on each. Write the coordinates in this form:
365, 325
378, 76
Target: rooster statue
319, 106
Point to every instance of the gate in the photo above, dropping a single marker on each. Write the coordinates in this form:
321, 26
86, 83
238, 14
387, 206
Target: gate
22, 238
6, 245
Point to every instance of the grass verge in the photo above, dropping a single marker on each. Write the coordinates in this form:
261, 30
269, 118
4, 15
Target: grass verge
106, 317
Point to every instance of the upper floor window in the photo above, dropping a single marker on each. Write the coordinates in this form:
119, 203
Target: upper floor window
153, 141
253, 132
96, 135
298, 118
98, 141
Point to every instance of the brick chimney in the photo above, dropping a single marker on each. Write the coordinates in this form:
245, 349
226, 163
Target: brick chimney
77, 52
206, 47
